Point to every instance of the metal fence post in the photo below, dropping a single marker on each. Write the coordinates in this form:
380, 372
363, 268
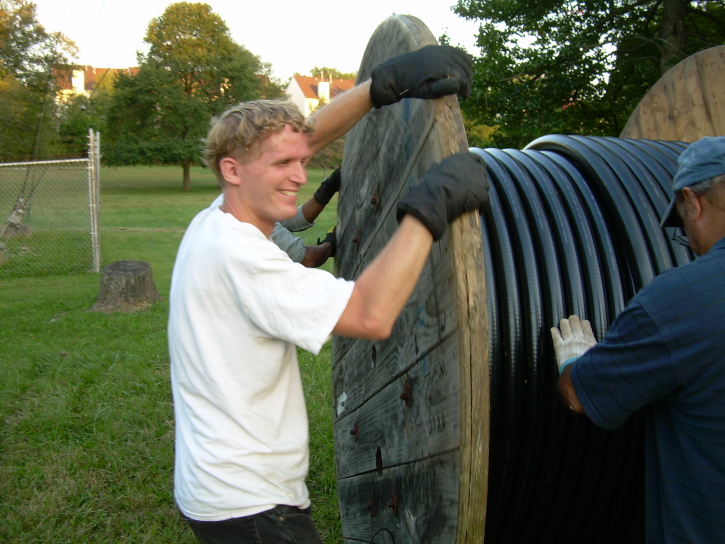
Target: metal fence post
93, 197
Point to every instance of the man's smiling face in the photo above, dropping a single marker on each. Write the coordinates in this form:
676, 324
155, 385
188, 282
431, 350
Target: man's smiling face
268, 185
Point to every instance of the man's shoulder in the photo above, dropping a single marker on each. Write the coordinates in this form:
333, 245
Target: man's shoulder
214, 236
702, 274
696, 289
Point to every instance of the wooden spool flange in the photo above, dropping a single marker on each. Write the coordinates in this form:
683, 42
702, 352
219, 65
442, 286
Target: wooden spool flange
411, 413
687, 103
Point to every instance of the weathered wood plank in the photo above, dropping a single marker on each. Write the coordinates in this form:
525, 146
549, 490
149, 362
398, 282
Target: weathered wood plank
382, 166
390, 431
428, 317
435, 347
427, 503
687, 103
395, 35
467, 249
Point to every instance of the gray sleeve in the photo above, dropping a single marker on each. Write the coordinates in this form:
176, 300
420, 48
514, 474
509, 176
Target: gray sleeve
297, 223
289, 243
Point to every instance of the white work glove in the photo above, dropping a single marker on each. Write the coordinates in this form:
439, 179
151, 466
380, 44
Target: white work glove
575, 339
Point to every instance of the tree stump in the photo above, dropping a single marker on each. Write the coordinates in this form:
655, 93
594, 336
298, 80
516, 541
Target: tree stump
126, 286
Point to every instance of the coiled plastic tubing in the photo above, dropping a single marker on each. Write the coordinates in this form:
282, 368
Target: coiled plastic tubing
573, 228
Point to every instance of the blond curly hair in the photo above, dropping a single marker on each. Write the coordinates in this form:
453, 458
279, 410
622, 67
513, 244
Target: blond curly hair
240, 131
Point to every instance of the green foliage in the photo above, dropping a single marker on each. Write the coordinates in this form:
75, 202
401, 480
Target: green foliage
28, 55
327, 73
478, 135
193, 71
75, 116
562, 66
26, 49
330, 156
142, 131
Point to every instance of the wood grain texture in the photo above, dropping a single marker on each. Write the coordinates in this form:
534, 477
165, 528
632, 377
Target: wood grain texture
432, 451
390, 431
687, 103
427, 319
427, 503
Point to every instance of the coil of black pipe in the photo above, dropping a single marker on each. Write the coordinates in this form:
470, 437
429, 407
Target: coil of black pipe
573, 229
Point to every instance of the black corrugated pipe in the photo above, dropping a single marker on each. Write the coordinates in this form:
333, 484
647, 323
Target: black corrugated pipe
573, 229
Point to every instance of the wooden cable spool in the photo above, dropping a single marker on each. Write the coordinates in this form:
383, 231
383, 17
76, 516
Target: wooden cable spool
411, 413
687, 103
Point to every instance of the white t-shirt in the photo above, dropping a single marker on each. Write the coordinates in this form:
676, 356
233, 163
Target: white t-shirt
282, 234
238, 308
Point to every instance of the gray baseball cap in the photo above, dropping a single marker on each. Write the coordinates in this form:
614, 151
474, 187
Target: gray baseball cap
701, 161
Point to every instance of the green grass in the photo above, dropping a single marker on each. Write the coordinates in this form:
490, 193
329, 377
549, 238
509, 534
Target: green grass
86, 435
42, 252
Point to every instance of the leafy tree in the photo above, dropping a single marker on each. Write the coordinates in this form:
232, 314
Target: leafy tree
327, 73
329, 157
76, 115
28, 55
333, 73
25, 46
566, 66
193, 70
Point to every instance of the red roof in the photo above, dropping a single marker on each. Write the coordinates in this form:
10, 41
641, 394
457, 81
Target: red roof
91, 76
309, 85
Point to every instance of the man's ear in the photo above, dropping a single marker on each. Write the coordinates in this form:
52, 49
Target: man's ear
693, 206
229, 168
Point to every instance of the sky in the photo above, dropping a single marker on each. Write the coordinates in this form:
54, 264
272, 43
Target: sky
292, 36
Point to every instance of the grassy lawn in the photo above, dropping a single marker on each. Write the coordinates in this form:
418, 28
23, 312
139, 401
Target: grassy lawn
86, 436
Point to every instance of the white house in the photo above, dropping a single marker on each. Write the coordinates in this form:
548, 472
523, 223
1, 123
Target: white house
74, 80
307, 92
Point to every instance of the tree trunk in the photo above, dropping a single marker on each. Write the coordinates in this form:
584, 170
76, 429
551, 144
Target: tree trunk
673, 33
187, 176
126, 286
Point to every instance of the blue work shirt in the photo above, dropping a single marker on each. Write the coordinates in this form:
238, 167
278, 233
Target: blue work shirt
665, 353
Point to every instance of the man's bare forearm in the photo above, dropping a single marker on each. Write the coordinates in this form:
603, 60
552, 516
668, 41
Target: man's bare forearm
568, 393
385, 286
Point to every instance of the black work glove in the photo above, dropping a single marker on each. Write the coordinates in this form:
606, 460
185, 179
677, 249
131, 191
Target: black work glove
430, 72
331, 239
456, 185
328, 188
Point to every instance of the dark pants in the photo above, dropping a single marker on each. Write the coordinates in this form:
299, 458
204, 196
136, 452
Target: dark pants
280, 525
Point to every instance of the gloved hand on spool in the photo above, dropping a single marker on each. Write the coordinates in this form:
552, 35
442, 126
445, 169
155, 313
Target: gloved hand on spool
331, 239
573, 341
328, 188
430, 72
456, 185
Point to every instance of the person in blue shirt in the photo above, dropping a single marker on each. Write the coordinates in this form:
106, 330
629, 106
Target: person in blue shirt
665, 354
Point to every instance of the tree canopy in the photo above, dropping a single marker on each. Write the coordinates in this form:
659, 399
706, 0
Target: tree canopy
577, 67
28, 57
193, 71
330, 73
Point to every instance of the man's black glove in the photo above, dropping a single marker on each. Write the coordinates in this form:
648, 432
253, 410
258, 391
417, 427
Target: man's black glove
328, 188
430, 72
456, 185
331, 239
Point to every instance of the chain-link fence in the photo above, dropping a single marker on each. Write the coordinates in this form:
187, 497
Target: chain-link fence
49, 214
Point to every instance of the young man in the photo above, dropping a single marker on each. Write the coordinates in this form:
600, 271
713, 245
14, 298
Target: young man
665, 354
239, 307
